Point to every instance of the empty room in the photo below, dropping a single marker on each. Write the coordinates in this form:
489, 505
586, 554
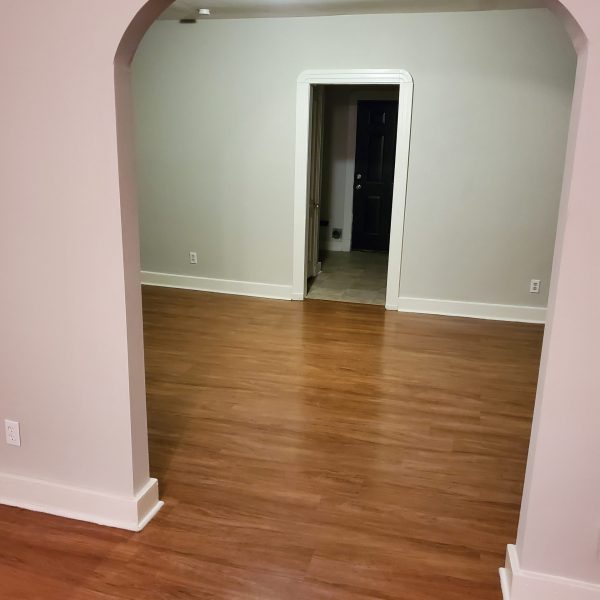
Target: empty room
300, 300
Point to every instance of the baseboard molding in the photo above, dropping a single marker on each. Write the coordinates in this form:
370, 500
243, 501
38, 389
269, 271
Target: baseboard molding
335, 245
124, 512
504, 583
520, 584
221, 286
474, 310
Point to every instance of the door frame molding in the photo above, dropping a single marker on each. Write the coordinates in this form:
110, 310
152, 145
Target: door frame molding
305, 83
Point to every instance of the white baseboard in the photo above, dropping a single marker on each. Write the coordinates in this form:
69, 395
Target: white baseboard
124, 512
335, 245
504, 584
520, 584
474, 310
222, 286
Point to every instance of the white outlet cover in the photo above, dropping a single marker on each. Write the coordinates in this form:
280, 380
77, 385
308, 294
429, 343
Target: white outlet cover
13, 433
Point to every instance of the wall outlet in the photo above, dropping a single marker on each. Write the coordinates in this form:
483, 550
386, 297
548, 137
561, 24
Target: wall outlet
336, 234
193, 258
13, 433
534, 286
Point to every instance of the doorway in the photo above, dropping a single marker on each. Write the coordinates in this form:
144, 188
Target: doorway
351, 172
376, 127
353, 149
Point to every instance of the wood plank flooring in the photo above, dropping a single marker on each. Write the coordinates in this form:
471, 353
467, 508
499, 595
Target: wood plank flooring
307, 451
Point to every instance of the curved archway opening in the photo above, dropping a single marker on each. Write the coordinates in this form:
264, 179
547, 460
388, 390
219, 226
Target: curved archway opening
124, 56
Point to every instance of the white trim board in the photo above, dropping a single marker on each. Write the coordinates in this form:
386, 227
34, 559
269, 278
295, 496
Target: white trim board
520, 584
222, 286
124, 512
474, 310
334, 245
306, 81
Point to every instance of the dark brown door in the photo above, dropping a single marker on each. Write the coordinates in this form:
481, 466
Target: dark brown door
377, 124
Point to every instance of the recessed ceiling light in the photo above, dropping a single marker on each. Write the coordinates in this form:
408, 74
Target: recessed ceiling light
204, 11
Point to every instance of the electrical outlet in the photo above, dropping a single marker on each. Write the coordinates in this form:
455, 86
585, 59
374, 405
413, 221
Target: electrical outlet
193, 258
336, 234
534, 286
13, 433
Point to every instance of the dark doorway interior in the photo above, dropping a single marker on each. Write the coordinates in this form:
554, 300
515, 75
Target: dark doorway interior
376, 131
355, 188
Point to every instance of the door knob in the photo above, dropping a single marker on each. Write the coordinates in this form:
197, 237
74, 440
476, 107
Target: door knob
358, 176
359, 187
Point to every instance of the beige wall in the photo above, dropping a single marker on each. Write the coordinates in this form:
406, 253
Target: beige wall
215, 106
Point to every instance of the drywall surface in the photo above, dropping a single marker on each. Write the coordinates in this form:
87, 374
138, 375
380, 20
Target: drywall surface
558, 530
215, 106
71, 356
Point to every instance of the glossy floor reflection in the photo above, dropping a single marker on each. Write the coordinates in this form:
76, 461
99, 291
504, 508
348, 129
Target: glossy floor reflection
307, 451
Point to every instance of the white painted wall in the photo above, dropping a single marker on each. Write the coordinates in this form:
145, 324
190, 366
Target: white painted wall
215, 106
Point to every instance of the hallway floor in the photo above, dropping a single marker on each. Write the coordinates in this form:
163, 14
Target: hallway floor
307, 451
357, 277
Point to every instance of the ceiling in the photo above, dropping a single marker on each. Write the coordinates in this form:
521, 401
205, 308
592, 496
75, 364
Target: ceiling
238, 9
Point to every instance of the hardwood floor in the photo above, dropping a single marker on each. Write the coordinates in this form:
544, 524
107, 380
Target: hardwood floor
307, 451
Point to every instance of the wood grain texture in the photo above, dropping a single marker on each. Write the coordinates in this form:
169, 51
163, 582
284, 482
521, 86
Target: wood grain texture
307, 451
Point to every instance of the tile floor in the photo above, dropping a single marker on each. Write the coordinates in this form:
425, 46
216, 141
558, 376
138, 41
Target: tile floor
358, 277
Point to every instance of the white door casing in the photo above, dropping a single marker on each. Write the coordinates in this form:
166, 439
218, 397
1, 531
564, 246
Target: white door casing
313, 265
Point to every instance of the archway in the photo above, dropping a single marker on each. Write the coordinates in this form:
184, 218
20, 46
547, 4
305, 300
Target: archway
541, 551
